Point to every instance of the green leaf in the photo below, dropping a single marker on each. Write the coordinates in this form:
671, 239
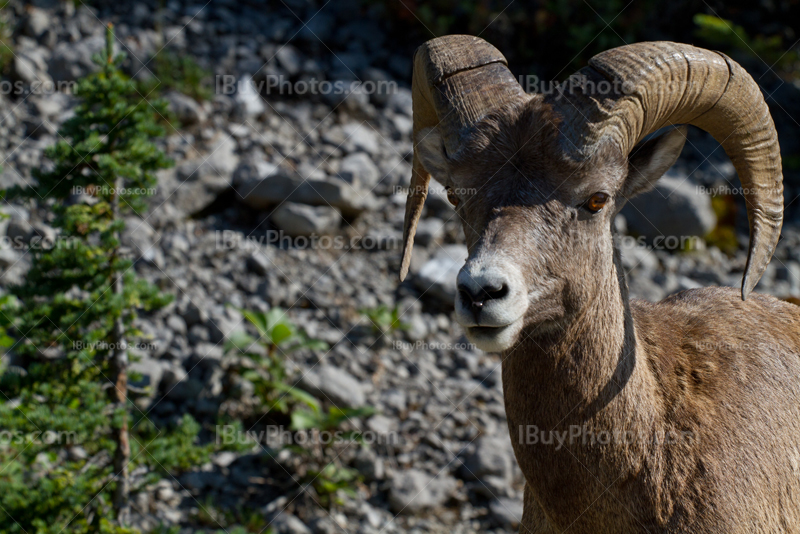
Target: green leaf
298, 395
304, 420
273, 317
259, 320
240, 340
280, 333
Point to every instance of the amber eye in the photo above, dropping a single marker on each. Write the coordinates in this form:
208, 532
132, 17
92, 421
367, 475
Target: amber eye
596, 202
452, 198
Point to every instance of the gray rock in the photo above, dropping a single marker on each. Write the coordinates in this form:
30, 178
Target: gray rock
493, 456
241, 388
9, 177
351, 97
77, 453
302, 220
192, 313
224, 458
165, 493
258, 262
506, 511
383, 84
290, 59
337, 385
177, 385
197, 182
437, 277
42, 236
324, 525
19, 233
642, 287
359, 170
635, 256
382, 425
9, 257
71, 61
261, 185
185, 108
142, 240
370, 465
400, 101
402, 125
285, 523
36, 22
185, 390
281, 187
208, 354
25, 69
248, 100
674, 208
252, 171
429, 231
413, 491
360, 137
172, 375
151, 371
177, 324
224, 322
789, 272
417, 327
438, 205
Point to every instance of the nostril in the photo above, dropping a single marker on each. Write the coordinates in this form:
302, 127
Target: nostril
484, 293
465, 293
494, 293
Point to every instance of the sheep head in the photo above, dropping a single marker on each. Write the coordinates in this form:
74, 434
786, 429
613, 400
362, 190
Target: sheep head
538, 179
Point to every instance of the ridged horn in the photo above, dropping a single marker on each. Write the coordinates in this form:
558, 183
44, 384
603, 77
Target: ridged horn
457, 80
657, 84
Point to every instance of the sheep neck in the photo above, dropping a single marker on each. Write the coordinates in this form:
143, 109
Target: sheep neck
570, 389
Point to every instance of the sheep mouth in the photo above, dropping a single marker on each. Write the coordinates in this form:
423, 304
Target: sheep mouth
486, 331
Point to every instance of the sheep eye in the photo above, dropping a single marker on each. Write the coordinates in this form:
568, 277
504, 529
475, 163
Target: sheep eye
452, 198
596, 202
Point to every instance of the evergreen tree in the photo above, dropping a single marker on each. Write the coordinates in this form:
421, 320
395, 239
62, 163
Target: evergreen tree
71, 320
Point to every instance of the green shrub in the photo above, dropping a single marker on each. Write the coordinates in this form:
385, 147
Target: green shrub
274, 384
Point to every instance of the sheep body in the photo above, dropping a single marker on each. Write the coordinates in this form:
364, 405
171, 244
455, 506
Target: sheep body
704, 399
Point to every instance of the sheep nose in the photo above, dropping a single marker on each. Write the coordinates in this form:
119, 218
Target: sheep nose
475, 295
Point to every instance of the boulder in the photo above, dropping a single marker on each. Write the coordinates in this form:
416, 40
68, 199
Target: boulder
437, 277
334, 384
493, 456
150, 370
302, 220
282, 186
358, 169
361, 138
676, 208
507, 512
197, 182
185, 108
413, 491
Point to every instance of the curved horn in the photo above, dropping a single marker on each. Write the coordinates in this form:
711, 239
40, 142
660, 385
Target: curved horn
657, 84
457, 80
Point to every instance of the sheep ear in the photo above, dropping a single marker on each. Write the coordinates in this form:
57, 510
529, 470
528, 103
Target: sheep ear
429, 148
650, 160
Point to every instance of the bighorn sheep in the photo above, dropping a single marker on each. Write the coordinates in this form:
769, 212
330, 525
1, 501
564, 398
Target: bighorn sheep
625, 416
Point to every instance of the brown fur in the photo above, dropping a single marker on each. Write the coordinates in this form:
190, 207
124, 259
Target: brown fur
718, 375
